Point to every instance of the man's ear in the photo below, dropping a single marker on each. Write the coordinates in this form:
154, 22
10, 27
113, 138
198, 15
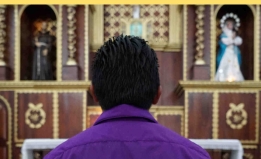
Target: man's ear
93, 94
157, 97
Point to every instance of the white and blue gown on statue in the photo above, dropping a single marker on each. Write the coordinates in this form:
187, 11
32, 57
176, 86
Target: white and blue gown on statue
229, 58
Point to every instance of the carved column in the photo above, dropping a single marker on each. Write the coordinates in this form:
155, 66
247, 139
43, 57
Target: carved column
2, 34
71, 10
199, 35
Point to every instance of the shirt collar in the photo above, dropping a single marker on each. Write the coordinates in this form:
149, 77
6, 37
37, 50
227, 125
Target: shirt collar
125, 111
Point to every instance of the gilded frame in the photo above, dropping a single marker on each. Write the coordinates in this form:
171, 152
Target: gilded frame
17, 53
55, 105
215, 109
213, 14
169, 110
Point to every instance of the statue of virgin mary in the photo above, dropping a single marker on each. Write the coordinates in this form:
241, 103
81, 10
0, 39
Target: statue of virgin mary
229, 56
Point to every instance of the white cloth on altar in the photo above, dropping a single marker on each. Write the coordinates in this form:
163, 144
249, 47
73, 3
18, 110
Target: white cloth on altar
235, 146
219, 144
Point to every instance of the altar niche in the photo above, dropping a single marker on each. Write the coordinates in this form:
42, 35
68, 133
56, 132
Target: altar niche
245, 31
38, 43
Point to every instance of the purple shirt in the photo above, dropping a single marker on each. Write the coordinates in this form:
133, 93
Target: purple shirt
127, 132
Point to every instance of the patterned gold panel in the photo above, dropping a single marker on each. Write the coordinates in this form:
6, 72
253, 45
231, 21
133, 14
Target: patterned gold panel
112, 16
159, 14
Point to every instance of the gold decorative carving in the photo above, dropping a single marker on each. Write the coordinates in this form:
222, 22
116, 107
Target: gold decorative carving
238, 115
92, 110
186, 131
59, 44
84, 110
161, 41
200, 35
71, 11
213, 42
215, 106
215, 116
17, 44
35, 116
55, 104
9, 124
215, 85
161, 29
86, 42
248, 156
185, 43
169, 110
55, 116
18, 145
2, 34
44, 85
250, 146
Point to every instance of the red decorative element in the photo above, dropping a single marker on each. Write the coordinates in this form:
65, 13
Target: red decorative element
107, 34
156, 34
166, 23
166, 33
126, 14
156, 13
116, 24
166, 13
156, 23
117, 34
147, 14
106, 14
107, 24
117, 14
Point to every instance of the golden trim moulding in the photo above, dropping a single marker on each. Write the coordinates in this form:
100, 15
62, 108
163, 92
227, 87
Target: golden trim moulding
215, 85
55, 104
45, 85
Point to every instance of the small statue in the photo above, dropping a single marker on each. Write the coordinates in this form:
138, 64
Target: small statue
229, 55
43, 49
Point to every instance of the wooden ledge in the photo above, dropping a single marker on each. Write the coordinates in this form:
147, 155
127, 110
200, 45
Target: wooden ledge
52, 85
214, 85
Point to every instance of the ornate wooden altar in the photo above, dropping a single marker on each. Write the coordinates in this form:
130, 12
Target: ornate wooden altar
185, 39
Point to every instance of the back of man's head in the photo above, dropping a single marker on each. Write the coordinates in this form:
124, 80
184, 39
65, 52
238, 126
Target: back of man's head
125, 71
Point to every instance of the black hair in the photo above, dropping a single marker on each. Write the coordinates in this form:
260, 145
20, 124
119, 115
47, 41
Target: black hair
125, 71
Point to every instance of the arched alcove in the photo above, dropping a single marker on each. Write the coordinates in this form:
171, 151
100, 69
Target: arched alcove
245, 31
5, 130
31, 20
